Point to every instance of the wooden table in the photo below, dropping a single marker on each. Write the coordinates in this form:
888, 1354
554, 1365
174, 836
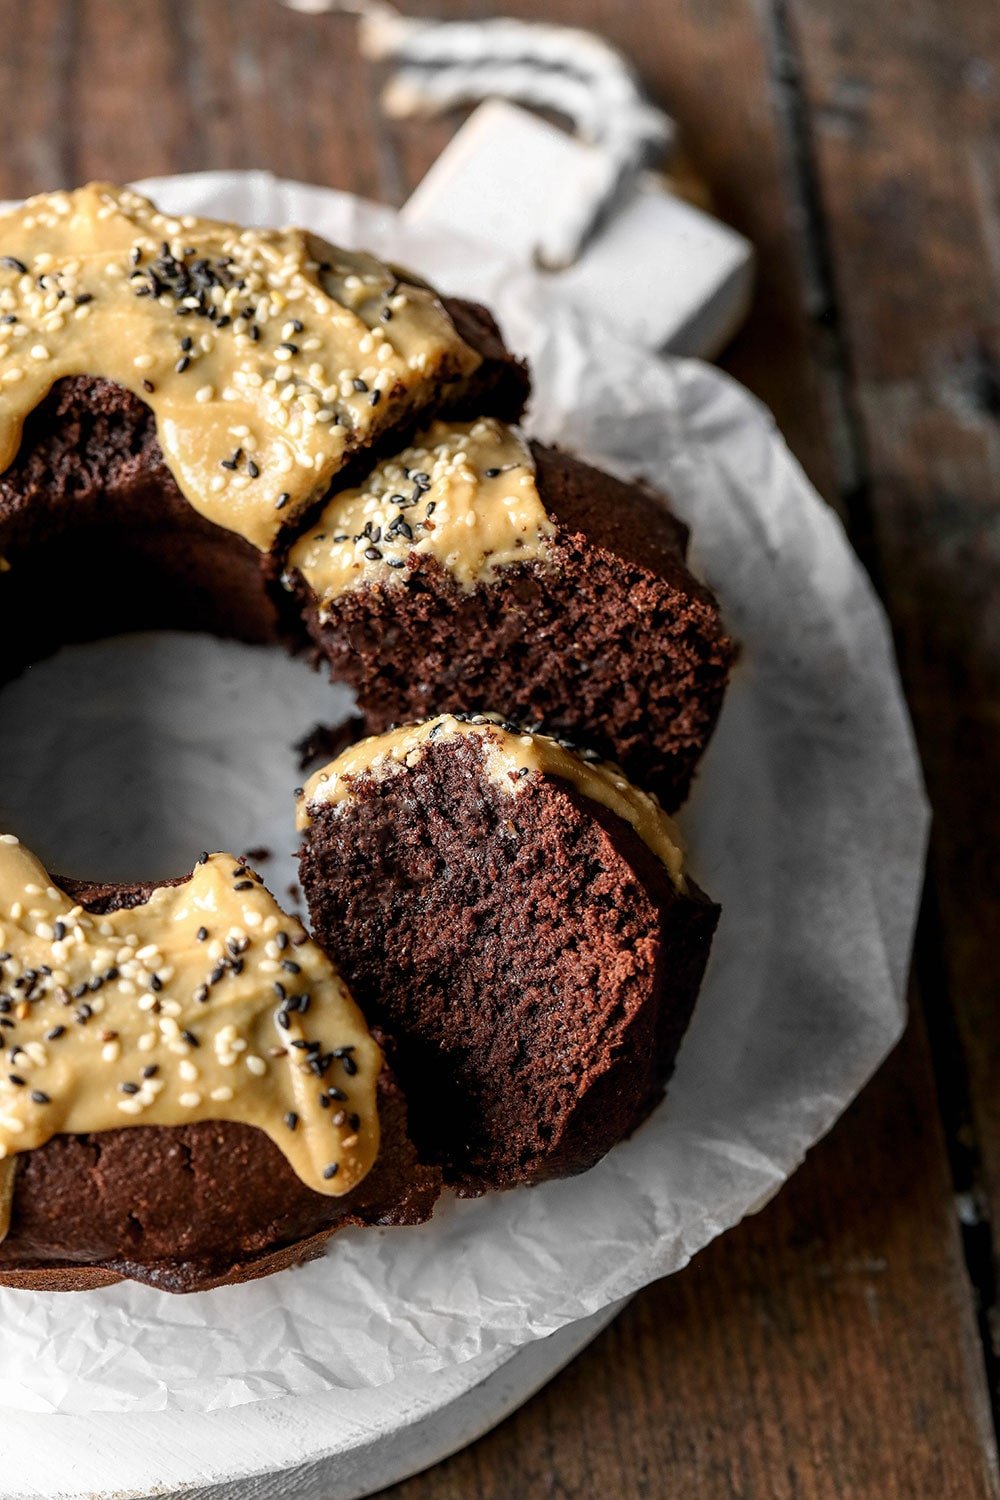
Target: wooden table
846, 1342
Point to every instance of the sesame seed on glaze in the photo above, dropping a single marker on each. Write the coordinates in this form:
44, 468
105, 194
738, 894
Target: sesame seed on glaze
455, 497
147, 972
224, 324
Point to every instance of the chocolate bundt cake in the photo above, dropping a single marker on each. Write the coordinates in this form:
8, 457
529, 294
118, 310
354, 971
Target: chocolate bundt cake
191, 1093
518, 920
177, 394
191, 416
475, 570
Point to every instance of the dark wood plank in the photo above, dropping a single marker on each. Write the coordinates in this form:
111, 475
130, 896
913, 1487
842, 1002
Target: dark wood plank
824, 1349
907, 147
705, 62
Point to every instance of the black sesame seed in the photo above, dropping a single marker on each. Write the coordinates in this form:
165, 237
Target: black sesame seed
38, 1097
155, 983
148, 387
375, 398
83, 298
291, 1119
279, 989
11, 263
203, 857
243, 885
128, 1088
281, 941
182, 364
201, 934
290, 966
282, 500
55, 1033
201, 994
150, 1070
491, 473
187, 343
359, 384
253, 469
16, 1080
331, 1170
336, 1093
190, 1038
292, 348
373, 554
59, 931
284, 1020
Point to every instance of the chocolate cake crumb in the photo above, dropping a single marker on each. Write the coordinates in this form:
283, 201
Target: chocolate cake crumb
324, 741
611, 642
532, 962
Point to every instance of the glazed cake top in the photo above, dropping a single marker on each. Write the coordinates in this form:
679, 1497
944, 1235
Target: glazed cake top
266, 356
510, 755
206, 1002
464, 493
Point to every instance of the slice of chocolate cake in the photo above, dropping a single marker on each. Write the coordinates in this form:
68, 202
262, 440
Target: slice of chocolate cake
178, 394
191, 1096
475, 570
519, 922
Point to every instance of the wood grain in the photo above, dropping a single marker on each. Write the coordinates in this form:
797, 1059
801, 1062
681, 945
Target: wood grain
829, 1348
912, 197
823, 1349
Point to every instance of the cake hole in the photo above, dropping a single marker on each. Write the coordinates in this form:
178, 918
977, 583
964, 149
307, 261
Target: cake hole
122, 759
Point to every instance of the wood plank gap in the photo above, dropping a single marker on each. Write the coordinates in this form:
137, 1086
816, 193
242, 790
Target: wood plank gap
850, 458
951, 1076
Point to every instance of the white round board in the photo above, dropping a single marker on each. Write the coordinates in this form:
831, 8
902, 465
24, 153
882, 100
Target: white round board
339, 1446
808, 824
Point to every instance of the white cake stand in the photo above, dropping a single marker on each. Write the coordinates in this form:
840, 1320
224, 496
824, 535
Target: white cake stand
338, 1446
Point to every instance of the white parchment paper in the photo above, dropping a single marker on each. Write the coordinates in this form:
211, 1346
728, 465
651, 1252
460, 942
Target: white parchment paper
808, 824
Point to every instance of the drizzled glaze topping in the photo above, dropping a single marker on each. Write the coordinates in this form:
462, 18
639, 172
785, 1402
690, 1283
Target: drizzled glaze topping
205, 1003
510, 754
464, 494
267, 356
